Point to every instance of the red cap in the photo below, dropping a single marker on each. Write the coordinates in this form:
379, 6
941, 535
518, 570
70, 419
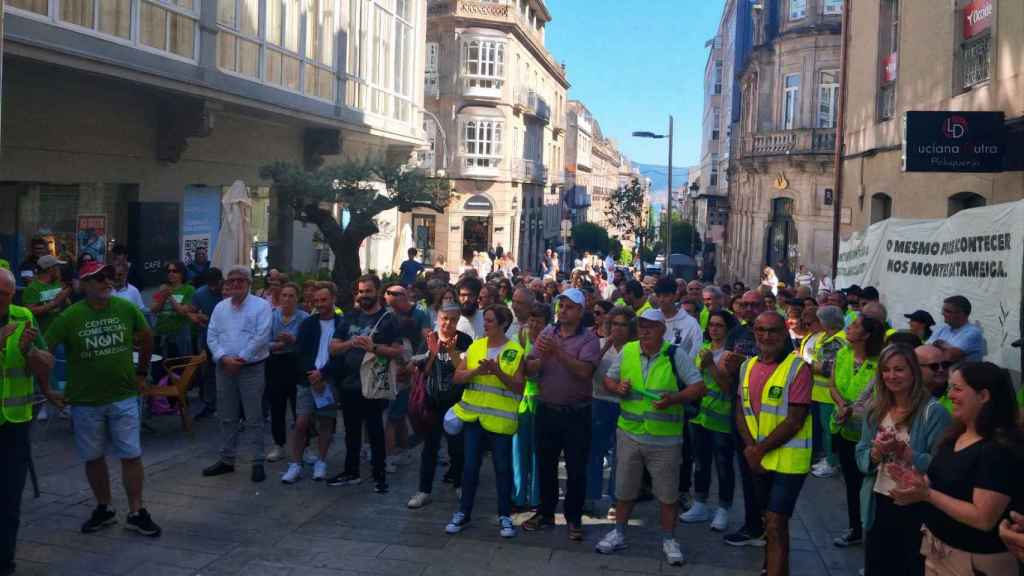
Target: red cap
93, 267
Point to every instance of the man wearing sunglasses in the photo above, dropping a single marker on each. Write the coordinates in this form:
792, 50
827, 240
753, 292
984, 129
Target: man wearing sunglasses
935, 372
98, 334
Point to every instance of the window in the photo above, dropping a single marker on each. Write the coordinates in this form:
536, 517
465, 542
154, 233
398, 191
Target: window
974, 52
881, 207
828, 94
428, 157
791, 101
423, 226
831, 7
797, 9
717, 79
168, 26
431, 86
716, 121
483, 63
963, 201
481, 143
888, 57
380, 55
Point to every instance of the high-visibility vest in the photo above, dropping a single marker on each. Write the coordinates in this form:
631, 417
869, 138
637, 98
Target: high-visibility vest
851, 316
948, 404
793, 457
705, 314
485, 398
530, 391
638, 416
851, 382
715, 407
644, 308
889, 333
15, 381
820, 393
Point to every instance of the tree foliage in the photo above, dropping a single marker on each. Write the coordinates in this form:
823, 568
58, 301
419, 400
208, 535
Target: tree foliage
683, 237
589, 237
364, 188
625, 208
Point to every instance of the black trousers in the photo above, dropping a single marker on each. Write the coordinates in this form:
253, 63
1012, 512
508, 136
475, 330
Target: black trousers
357, 410
13, 470
893, 543
852, 478
282, 379
753, 521
428, 457
562, 430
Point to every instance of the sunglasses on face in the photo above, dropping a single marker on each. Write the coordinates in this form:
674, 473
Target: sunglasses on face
395, 293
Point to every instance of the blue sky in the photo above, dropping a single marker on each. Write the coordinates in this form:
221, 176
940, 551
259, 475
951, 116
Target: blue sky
634, 62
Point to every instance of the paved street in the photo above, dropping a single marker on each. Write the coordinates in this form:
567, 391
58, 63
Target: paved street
228, 525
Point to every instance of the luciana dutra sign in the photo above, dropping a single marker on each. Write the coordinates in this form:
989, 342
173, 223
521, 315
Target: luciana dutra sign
915, 264
953, 141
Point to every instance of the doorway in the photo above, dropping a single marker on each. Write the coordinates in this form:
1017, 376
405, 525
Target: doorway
476, 236
781, 252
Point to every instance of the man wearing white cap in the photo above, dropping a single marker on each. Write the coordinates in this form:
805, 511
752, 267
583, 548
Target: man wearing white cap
654, 378
563, 362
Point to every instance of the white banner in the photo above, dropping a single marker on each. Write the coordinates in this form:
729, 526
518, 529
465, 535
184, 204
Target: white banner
915, 264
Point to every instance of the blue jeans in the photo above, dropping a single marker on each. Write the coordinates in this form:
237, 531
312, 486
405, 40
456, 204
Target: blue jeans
604, 419
821, 441
708, 445
526, 490
476, 441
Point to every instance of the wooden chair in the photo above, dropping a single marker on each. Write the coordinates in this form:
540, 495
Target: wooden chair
182, 372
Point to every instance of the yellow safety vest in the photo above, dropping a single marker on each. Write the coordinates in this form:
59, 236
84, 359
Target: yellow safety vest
638, 417
850, 383
15, 381
485, 398
705, 314
644, 308
715, 406
793, 457
889, 333
820, 393
530, 391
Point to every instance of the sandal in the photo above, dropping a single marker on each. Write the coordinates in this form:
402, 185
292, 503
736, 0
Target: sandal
575, 532
537, 522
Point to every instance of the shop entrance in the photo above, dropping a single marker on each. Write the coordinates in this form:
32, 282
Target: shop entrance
476, 228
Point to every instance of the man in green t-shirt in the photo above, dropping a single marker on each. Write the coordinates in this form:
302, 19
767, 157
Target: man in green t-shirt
45, 296
103, 385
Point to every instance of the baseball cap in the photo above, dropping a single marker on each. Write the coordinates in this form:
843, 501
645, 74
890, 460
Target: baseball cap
920, 316
93, 267
48, 261
575, 295
665, 285
654, 315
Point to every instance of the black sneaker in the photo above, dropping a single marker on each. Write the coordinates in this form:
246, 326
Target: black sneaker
380, 487
258, 474
142, 523
102, 517
847, 539
345, 479
218, 469
742, 537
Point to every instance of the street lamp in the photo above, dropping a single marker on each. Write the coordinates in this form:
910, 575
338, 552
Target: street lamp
444, 143
668, 213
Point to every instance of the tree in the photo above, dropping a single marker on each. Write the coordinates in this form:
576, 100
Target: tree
615, 248
682, 236
589, 237
363, 188
625, 209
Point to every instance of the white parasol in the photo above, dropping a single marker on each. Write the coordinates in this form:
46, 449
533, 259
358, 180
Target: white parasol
234, 245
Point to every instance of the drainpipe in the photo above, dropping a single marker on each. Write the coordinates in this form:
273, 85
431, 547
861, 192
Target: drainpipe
837, 196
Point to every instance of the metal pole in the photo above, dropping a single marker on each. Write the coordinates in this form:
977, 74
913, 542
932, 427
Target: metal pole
837, 160
668, 237
444, 139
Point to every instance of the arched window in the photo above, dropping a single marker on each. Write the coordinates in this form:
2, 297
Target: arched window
881, 207
963, 201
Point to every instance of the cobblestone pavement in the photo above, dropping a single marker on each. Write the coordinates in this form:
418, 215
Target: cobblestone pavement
227, 525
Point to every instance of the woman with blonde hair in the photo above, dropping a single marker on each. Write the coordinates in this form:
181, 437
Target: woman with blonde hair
902, 425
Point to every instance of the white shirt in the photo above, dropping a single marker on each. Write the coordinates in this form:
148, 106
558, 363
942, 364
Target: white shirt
609, 264
474, 327
242, 331
131, 294
684, 331
323, 354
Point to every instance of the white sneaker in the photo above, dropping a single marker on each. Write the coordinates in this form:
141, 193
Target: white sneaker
508, 529
611, 542
698, 512
42, 415
319, 470
457, 523
721, 521
276, 453
673, 555
390, 466
292, 474
824, 471
309, 456
419, 500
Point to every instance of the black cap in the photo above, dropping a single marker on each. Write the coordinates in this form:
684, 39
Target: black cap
665, 285
854, 289
1017, 343
869, 293
921, 316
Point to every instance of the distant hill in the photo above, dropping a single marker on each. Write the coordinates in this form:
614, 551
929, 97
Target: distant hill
659, 179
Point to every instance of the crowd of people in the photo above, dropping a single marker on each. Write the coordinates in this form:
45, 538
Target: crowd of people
663, 383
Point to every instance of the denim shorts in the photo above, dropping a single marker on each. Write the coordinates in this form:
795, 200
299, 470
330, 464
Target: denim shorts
305, 405
399, 407
117, 422
778, 492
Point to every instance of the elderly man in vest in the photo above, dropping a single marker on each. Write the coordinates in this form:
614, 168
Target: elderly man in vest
654, 379
828, 344
24, 356
775, 427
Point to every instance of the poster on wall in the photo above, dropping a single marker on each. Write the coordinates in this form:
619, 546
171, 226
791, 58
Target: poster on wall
91, 236
200, 221
915, 264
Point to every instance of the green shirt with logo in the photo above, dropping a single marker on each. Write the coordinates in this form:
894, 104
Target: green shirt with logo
167, 320
98, 345
40, 293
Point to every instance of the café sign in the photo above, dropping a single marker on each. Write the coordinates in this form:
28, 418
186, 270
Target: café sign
977, 18
953, 141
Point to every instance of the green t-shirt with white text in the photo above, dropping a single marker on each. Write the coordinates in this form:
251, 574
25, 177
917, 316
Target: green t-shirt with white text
98, 346
39, 293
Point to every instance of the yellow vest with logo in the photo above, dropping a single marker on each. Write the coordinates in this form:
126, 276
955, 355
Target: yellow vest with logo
530, 391
820, 393
15, 381
485, 398
715, 406
793, 457
638, 416
851, 382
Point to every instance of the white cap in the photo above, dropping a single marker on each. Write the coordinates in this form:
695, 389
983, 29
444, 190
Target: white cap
452, 422
575, 295
654, 315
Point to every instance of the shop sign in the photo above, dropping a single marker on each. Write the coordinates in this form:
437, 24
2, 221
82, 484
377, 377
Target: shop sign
91, 236
977, 18
889, 67
953, 141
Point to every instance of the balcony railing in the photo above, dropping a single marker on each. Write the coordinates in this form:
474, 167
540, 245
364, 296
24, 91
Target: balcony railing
473, 167
558, 176
784, 142
532, 103
529, 171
